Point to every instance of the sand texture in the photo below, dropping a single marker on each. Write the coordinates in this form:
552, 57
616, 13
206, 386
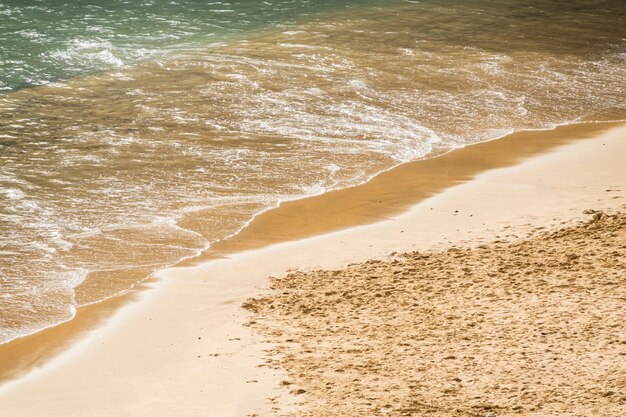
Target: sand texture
531, 328
180, 346
386, 195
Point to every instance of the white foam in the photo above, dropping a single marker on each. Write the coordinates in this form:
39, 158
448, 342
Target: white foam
73, 278
88, 52
358, 84
31, 34
13, 193
301, 46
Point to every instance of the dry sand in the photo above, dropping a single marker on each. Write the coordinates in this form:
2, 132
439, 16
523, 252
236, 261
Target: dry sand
182, 347
533, 328
385, 196
392, 192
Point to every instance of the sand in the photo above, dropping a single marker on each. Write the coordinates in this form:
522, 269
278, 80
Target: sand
182, 346
531, 328
392, 192
384, 197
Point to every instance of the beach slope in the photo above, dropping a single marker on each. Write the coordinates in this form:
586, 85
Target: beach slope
184, 348
531, 328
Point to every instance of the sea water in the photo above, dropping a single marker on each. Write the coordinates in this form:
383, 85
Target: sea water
135, 134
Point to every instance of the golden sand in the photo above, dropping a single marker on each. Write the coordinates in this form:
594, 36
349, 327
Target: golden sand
392, 192
384, 196
531, 328
182, 348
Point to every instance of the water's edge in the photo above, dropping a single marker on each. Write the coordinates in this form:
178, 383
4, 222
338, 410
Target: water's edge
109, 177
386, 194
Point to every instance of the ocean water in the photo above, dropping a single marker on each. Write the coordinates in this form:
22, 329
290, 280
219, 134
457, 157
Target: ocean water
136, 134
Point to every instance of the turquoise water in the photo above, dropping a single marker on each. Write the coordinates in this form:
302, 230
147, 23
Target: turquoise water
43, 41
137, 134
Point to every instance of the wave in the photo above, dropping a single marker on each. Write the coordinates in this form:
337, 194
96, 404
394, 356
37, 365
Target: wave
119, 173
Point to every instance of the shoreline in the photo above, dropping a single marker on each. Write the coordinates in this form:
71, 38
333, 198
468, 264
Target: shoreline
171, 291
393, 191
385, 195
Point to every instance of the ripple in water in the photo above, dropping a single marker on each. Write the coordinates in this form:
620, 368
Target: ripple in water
107, 177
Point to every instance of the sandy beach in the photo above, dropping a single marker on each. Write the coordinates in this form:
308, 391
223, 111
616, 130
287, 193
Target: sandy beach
540, 308
385, 196
312, 208
530, 328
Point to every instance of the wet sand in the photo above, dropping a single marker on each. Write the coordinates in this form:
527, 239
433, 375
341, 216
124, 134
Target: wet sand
183, 348
392, 192
386, 195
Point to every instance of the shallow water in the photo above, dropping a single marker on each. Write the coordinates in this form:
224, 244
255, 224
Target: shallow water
213, 112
